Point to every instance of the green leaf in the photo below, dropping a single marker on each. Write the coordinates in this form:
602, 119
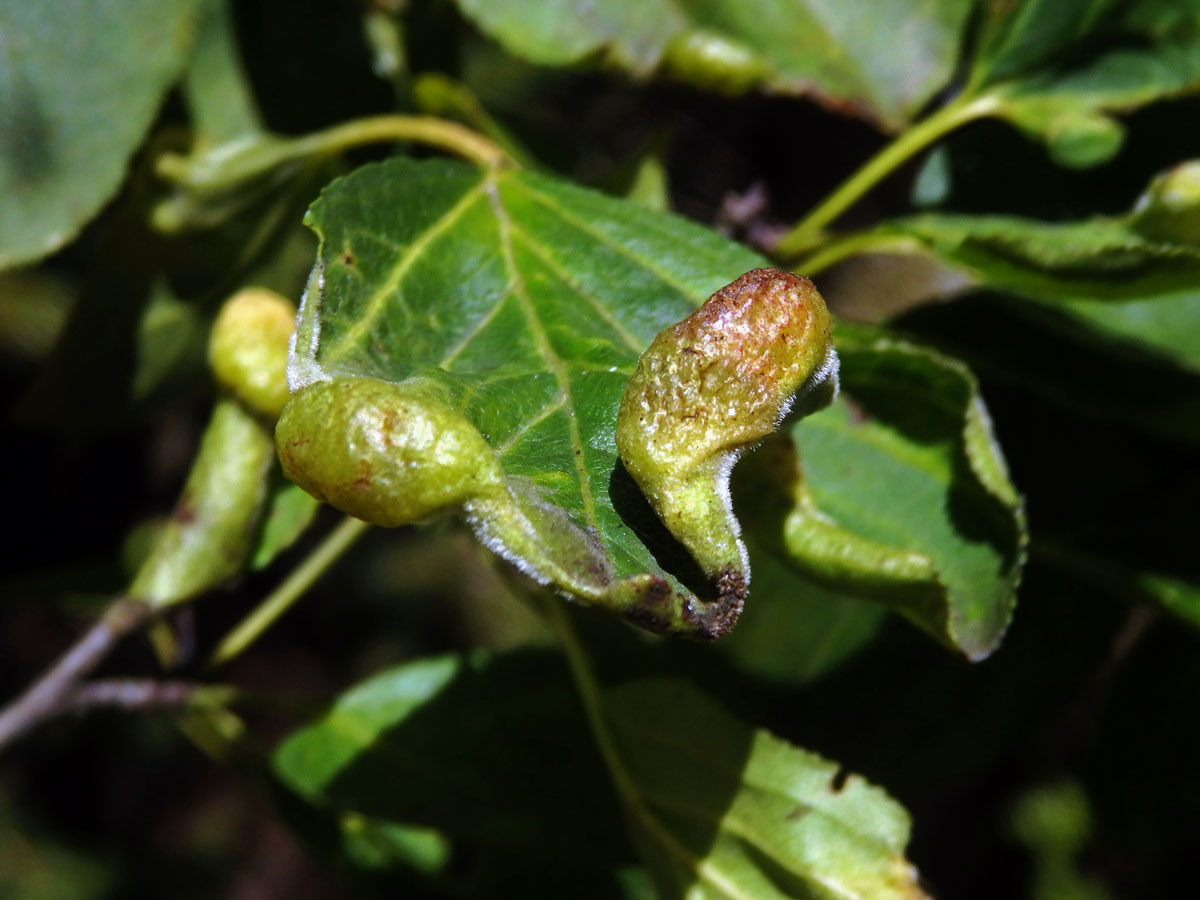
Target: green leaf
289, 512
903, 495
215, 85
523, 304
376, 844
1122, 280
1178, 597
80, 82
496, 749
721, 810
1018, 37
1168, 325
884, 61
492, 749
1067, 360
1104, 258
802, 629
1061, 69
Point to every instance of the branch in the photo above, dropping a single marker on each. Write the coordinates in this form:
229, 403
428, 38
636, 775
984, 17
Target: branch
51, 694
139, 694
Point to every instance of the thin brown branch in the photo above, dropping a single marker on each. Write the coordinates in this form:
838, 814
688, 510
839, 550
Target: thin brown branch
51, 693
132, 694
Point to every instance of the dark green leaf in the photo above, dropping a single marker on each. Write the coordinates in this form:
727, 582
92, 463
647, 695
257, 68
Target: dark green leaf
289, 512
80, 83
883, 61
903, 495
1093, 259
1178, 597
1074, 363
796, 630
1167, 325
720, 810
1018, 37
497, 750
39, 866
1061, 69
491, 749
1147, 259
215, 85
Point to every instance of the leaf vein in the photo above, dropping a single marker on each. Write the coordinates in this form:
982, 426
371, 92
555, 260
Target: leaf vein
553, 361
630, 339
552, 204
376, 303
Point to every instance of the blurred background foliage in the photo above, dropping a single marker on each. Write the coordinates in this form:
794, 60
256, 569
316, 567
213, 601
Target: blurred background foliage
1062, 767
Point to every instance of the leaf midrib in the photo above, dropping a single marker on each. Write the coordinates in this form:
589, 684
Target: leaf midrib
554, 362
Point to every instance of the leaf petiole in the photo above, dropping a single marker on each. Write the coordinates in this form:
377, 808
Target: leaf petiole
806, 235
630, 793
293, 587
846, 246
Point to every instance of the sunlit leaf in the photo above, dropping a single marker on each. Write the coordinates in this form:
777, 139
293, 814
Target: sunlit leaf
526, 302
721, 810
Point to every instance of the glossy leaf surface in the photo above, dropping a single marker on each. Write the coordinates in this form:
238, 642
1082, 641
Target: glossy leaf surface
526, 301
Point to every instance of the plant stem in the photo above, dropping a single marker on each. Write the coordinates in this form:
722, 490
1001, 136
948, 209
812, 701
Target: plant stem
628, 790
51, 693
293, 587
430, 130
589, 694
142, 694
806, 234
852, 245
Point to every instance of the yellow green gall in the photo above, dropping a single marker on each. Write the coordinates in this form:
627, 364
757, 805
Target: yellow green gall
385, 453
708, 388
248, 348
